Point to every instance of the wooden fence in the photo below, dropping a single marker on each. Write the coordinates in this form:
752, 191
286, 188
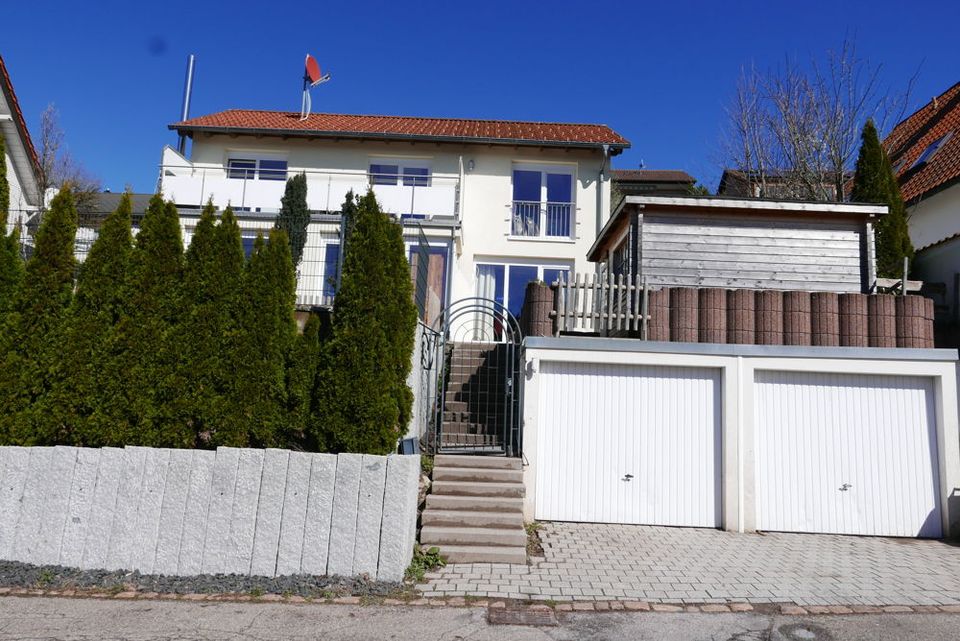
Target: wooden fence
601, 303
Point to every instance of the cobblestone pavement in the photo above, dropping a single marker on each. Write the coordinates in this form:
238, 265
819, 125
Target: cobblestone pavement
591, 562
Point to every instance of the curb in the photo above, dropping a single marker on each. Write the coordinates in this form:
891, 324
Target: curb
785, 609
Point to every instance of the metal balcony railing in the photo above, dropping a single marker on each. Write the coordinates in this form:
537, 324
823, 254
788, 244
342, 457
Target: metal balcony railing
542, 220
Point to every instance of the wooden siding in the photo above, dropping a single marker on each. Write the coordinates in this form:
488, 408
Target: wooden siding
755, 253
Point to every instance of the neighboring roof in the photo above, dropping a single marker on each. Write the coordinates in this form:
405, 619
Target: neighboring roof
736, 182
406, 128
713, 204
910, 138
652, 175
106, 202
33, 160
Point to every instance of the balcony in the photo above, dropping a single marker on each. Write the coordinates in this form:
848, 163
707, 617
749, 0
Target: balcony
191, 186
533, 219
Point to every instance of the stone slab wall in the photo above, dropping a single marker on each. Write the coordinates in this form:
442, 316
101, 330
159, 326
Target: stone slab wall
233, 511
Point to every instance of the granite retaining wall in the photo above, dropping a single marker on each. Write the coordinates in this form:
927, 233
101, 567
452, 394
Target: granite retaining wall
231, 511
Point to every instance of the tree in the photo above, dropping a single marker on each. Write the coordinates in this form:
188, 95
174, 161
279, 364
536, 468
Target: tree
302, 368
11, 264
78, 410
256, 413
58, 168
4, 187
875, 182
363, 399
147, 339
793, 131
30, 341
213, 278
294, 215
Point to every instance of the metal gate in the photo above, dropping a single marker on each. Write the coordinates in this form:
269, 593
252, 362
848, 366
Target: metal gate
475, 370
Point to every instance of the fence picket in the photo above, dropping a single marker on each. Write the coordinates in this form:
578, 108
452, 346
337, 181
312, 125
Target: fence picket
576, 303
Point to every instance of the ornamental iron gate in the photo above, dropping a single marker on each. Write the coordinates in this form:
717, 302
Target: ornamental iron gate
476, 347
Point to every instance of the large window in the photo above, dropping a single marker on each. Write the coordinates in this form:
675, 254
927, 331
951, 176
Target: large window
409, 173
506, 283
542, 202
250, 168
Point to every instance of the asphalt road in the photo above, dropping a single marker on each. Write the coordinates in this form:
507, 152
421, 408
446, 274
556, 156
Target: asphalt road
49, 619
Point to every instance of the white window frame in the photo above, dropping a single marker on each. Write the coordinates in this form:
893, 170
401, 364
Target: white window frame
401, 164
544, 169
507, 263
255, 157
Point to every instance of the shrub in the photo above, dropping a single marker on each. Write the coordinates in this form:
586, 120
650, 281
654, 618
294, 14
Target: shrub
294, 215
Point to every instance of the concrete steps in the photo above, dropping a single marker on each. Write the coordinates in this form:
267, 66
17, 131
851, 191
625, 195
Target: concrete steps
474, 513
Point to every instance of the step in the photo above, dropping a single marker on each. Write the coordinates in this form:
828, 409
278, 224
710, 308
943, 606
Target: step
471, 518
455, 460
468, 488
477, 474
474, 503
453, 439
439, 534
483, 554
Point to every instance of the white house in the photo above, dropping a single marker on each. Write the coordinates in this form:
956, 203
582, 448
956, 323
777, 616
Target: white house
499, 203
23, 165
925, 152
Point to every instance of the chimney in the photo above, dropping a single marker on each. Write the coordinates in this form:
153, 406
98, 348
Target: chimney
187, 91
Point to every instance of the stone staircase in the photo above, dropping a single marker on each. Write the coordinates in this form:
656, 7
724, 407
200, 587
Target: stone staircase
474, 405
474, 512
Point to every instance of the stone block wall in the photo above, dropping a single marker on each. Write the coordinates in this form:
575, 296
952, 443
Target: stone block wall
767, 317
185, 512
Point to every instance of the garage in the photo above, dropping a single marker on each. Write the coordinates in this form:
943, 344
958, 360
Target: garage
633, 444
846, 454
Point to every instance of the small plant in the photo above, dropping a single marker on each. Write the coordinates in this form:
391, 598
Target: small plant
534, 546
423, 561
46, 578
256, 592
426, 465
328, 594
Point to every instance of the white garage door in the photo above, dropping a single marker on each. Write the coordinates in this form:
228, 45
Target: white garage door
628, 444
846, 454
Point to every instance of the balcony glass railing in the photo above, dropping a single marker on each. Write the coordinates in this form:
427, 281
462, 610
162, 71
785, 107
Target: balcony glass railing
542, 220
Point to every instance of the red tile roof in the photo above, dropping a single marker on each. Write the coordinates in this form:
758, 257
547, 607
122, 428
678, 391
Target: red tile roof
653, 175
406, 128
7, 86
911, 137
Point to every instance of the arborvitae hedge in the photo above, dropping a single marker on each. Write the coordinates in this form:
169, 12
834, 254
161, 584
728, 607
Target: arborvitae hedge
31, 334
4, 188
294, 215
78, 410
875, 182
363, 397
301, 378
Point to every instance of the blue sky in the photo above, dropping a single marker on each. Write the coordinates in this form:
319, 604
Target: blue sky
658, 73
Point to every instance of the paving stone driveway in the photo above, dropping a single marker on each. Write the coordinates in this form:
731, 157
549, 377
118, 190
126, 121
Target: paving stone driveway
685, 565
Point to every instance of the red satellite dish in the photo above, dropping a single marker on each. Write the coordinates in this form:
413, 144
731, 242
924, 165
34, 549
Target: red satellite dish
312, 71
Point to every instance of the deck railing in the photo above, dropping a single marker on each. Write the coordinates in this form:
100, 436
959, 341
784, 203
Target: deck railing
538, 219
601, 303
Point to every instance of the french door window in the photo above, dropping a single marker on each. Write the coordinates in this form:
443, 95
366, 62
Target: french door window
542, 202
507, 283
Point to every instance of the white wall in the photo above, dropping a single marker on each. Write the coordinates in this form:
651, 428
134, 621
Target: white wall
485, 192
740, 367
935, 217
185, 512
20, 208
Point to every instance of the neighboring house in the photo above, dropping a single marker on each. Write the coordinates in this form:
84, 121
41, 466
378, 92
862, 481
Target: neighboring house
23, 164
736, 183
741, 243
649, 182
925, 152
490, 204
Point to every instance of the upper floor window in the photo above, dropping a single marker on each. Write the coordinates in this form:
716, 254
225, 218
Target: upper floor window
409, 173
542, 202
931, 150
250, 168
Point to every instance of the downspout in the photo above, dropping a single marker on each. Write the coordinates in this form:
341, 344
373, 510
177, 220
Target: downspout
600, 179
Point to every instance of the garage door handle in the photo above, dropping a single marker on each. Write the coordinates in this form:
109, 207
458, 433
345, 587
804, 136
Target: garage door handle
845, 487
627, 477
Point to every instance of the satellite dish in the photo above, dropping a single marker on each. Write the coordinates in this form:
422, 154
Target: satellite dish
311, 78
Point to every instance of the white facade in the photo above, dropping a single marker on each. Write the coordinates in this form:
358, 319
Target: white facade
21, 170
465, 202
935, 231
838, 440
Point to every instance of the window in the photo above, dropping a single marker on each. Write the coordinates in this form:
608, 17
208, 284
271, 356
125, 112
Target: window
250, 168
931, 150
507, 283
331, 264
248, 240
412, 173
242, 169
542, 202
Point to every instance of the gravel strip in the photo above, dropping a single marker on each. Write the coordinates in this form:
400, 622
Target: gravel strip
55, 577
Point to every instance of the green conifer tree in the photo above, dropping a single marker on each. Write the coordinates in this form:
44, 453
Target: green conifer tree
362, 395
11, 264
875, 182
257, 406
77, 410
294, 215
32, 333
147, 338
301, 377
4, 188
211, 294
